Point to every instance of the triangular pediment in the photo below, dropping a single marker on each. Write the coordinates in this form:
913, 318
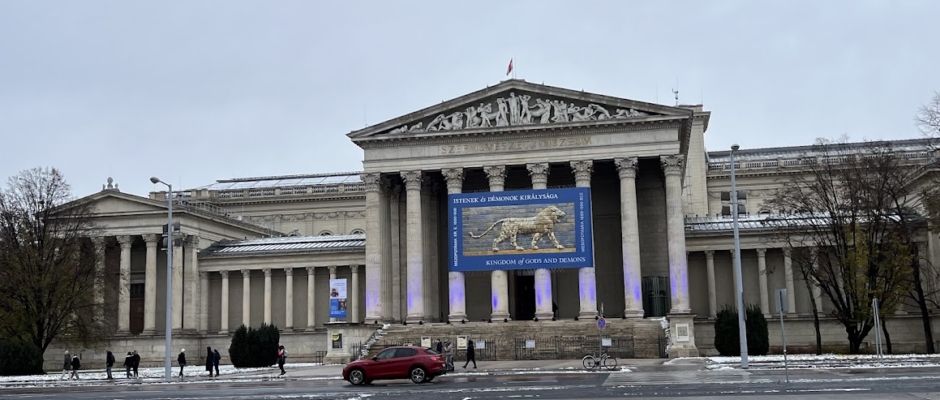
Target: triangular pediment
515, 104
116, 202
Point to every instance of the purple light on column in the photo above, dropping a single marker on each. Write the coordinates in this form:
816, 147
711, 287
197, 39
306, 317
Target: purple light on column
456, 292
495, 301
637, 292
587, 287
541, 290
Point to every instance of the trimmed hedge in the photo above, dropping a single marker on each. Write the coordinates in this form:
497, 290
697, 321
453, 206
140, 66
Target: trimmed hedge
726, 332
18, 358
253, 348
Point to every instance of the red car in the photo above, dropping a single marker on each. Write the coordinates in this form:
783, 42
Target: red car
416, 363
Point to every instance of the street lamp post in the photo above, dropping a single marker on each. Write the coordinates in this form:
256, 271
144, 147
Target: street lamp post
169, 279
738, 281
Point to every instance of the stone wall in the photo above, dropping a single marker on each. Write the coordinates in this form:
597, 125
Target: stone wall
552, 339
302, 347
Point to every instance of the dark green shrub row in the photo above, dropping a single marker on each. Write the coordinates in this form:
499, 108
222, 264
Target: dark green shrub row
18, 358
726, 332
253, 348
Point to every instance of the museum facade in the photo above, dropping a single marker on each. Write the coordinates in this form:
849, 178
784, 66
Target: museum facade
264, 249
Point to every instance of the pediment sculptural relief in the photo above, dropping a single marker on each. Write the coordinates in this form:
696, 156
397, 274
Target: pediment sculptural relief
518, 110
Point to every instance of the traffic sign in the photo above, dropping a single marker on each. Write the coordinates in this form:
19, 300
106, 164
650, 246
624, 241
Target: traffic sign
601, 323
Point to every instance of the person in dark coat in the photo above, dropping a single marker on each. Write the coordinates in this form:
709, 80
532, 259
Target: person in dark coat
216, 360
67, 365
109, 359
181, 360
281, 358
75, 364
471, 355
439, 347
136, 363
128, 364
210, 360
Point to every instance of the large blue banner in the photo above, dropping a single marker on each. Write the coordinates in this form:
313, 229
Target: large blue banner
520, 229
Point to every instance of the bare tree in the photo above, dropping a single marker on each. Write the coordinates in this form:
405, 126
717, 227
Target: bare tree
48, 264
851, 202
928, 117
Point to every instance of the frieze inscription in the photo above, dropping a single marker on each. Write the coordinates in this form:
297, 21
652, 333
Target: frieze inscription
515, 145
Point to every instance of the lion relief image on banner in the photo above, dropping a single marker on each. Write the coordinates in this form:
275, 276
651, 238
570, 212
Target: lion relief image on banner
523, 229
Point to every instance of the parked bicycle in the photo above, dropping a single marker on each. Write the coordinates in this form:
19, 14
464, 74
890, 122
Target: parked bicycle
592, 363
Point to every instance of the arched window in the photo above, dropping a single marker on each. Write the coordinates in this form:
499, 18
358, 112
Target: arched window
325, 233
357, 232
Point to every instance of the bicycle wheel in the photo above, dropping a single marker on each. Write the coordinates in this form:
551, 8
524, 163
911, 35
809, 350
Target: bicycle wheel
610, 363
589, 362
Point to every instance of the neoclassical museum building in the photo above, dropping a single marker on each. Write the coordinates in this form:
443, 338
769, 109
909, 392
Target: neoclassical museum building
264, 249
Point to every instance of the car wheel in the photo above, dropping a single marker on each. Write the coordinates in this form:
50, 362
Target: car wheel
357, 377
418, 375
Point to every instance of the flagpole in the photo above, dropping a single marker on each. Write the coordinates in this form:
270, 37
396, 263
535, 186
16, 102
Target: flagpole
514, 67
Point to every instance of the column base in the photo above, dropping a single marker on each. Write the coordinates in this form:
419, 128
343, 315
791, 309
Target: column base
792, 315
682, 336
122, 333
223, 332
414, 319
500, 317
587, 314
457, 317
149, 332
544, 316
633, 313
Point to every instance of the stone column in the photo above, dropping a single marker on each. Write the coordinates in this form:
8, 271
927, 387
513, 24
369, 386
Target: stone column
630, 238
192, 288
673, 167
224, 326
456, 282
762, 277
246, 297
177, 280
203, 302
375, 241
499, 280
311, 299
396, 312
332, 276
817, 291
538, 172
99, 284
354, 298
124, 285
415, 251
712, 294
267, 295
791, 288
150, 285
587, 287
289, 299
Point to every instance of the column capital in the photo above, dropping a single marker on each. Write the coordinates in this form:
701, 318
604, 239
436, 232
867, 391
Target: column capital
224, 274
267, 272
354, 268
310, 270
786, 252
151, 239
626, 167
98, 241
203, 275
371, 180
125, 241
332, 269
289, 271
496, 174
582, 169
454, 177
246, 273
710, 253
193, 240
413, 179
672, 164
761, 252
538, 172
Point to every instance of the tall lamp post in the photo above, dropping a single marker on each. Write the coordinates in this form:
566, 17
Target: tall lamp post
738, 281
169, 278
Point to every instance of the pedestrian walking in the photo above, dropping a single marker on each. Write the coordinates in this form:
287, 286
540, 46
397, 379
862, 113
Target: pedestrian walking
281, 358
135, 363
448, 357
216, 360
181, 360
210, 360
109, 360
76, 364
471, 355
128, 364
439, 347
67, 365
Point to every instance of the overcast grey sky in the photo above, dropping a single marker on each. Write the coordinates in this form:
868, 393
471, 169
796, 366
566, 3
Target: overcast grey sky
194, 91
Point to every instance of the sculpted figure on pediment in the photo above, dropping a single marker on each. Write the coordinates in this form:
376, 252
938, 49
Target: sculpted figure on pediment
501, 115
561, 111
601, 112
514, 110
401, 129
473, 120
524, 116
628, 113
543, 111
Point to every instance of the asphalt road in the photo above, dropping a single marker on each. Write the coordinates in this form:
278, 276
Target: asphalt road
888, 384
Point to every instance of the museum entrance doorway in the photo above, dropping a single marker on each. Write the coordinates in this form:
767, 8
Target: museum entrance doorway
524, 296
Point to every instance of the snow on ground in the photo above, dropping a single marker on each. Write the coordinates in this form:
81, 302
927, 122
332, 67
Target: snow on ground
195, 371
829, 361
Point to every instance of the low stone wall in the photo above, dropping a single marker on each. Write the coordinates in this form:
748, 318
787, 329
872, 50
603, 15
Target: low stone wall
529, 340
301, 347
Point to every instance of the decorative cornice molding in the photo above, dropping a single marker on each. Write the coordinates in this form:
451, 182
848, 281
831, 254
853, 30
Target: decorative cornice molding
413, 179
626, 167
331, 215
673, 164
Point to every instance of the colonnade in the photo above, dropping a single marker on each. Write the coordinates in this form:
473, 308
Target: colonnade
377, 214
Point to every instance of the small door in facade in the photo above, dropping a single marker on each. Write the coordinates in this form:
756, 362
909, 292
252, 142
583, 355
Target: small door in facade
137, 308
